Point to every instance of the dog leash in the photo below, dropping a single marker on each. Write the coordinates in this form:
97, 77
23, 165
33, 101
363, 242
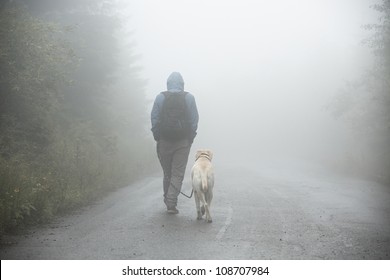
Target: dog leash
192, 192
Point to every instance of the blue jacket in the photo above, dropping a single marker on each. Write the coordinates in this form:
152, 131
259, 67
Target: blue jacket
175, 83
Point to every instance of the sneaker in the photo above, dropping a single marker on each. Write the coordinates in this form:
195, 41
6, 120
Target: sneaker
172, 210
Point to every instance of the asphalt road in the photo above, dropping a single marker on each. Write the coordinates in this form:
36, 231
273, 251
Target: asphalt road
260, 211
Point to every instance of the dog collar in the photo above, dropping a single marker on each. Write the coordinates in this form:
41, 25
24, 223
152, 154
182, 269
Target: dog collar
203, 155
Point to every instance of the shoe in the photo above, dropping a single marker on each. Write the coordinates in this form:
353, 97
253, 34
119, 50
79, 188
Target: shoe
172, 210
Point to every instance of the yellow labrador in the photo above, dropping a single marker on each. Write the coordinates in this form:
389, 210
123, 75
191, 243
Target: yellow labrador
202, 175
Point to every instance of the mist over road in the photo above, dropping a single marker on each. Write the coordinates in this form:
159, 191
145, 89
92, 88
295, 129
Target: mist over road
273, 210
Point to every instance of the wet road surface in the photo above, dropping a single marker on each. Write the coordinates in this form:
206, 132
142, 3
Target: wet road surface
259, 211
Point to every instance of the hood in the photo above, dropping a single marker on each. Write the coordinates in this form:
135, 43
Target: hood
175, 82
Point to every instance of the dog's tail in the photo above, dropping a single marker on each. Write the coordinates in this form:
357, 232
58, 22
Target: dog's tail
204, 183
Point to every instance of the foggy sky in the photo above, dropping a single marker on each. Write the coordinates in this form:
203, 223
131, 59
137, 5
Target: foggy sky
262, 72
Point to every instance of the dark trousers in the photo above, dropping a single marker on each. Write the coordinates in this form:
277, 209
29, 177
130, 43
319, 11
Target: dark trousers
173, 158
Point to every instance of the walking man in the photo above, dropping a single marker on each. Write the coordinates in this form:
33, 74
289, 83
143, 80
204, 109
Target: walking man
174, 123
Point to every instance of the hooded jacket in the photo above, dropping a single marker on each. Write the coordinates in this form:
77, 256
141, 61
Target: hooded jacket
175, 84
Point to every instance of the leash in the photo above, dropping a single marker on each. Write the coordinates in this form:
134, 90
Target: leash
192, 192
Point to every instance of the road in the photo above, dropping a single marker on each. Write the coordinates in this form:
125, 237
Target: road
260, 211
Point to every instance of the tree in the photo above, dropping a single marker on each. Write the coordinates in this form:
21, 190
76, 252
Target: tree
73, 118
33, 60
365, 104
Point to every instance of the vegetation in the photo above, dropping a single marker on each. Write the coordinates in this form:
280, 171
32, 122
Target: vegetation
365, 104
73, 120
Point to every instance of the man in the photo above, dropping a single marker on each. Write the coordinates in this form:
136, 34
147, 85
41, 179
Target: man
174, 123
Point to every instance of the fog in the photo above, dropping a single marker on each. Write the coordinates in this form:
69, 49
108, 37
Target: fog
262, 72
293, 103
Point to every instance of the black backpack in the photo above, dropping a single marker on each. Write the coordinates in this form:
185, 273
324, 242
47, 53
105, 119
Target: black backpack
174, 123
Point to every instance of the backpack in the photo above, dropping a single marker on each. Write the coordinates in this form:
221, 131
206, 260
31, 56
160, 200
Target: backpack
174, 123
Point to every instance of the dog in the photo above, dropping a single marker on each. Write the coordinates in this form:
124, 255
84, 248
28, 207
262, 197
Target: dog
202, 176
